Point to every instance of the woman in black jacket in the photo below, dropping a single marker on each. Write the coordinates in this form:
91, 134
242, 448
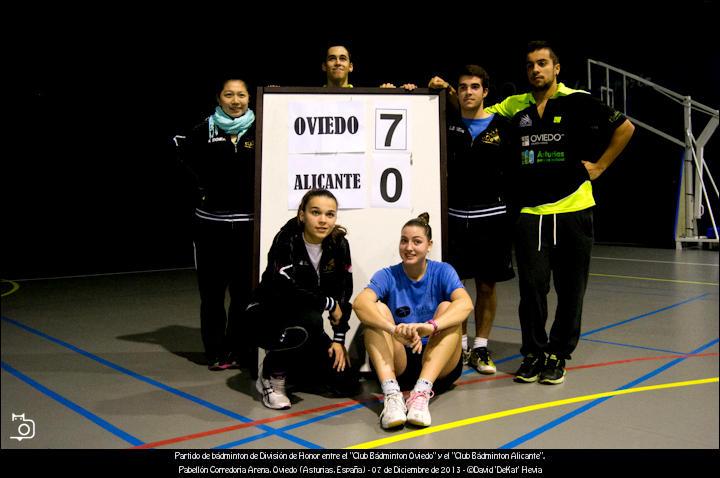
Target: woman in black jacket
309, 272
219, 154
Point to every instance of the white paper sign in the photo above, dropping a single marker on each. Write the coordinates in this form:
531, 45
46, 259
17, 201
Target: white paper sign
342, 174
391, 182
391, 127
326, 127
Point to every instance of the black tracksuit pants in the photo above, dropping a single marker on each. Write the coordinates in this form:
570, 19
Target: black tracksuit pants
565, 243
308, 366
223, 259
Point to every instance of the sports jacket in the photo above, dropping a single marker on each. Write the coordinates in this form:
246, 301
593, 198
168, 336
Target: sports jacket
290, 281
223, 172
477, 169
549, 150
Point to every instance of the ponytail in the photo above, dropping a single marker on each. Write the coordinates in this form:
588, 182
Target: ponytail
423, 220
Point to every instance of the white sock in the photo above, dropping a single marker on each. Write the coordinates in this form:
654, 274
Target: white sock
423, 385
390, 386
480, 342
464, 342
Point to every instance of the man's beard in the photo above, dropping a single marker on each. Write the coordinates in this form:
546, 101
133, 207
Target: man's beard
544, 87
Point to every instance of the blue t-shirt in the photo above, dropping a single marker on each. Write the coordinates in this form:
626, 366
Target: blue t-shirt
477, 126
415, 302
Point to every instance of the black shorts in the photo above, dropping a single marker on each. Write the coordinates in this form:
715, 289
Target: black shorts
412, 372
481, 248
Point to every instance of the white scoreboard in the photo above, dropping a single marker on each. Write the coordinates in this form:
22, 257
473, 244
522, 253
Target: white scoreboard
380, 151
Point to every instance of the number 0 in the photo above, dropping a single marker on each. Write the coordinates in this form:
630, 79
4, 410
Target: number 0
398, 184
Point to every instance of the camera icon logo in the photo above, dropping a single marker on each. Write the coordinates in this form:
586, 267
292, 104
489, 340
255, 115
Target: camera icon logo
25, 429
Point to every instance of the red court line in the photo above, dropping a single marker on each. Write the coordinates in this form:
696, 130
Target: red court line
254, 423
592, 365
217, 431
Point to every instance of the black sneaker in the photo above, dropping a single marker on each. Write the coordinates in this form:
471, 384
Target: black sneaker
530, 368
554, 371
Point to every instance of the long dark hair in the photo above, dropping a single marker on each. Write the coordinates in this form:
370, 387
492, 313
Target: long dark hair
338, 231
423, 220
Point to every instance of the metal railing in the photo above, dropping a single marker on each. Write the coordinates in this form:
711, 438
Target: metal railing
691, 206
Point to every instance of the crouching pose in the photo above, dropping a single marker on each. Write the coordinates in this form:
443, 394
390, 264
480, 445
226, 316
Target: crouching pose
413, 313
308, 273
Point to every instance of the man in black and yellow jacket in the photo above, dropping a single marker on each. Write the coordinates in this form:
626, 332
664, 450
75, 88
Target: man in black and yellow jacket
563, 140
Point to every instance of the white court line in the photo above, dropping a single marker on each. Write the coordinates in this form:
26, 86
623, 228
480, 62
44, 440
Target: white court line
655, 262
191, 268
104, 274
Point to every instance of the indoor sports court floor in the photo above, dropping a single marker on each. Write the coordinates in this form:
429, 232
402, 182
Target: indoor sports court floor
112, 362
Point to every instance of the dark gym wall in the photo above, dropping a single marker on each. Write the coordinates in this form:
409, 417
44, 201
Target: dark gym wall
90, 183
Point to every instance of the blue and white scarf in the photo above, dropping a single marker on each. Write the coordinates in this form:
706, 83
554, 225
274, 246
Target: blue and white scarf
230, 125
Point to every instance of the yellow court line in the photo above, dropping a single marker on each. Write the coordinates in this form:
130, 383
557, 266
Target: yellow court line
15, 287
654, 279
518, 411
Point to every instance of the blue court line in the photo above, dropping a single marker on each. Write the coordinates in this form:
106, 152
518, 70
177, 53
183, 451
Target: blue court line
499, 361
73, 406
606, 327
623, 322
517, 329
160, 385
634, 346
310, 445
594, 403
294, 425
631, 319
502, 360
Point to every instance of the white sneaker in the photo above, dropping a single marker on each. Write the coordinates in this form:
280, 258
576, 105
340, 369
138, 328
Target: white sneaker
273, 392
481, 361
418, 411
394, 411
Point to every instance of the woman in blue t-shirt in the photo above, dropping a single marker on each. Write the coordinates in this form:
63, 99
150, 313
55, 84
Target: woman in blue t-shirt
413, 313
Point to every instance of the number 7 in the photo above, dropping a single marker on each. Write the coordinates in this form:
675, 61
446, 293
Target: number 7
396, 121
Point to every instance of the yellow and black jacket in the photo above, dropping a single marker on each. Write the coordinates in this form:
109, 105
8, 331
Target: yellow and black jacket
549, 150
